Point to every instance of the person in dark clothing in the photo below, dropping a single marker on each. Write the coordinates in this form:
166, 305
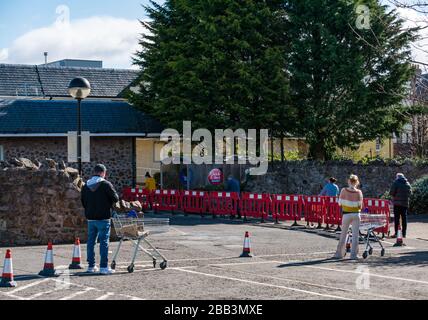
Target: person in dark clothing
98, 197
400, 193
233, 185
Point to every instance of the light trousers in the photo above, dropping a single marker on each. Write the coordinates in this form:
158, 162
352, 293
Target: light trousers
349, 219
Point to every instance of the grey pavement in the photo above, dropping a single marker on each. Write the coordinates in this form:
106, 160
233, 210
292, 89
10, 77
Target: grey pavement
203, 263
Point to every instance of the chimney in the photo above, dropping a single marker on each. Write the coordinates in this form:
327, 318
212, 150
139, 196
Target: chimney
46, 57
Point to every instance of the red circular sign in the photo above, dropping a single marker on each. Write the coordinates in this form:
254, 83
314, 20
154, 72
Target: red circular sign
215, 177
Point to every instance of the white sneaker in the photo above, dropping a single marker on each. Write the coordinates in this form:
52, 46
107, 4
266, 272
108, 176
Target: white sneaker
107, 271
93, 269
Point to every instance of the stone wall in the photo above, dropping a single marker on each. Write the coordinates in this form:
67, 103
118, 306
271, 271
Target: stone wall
114, 152
40, 202
308, 177
38, 205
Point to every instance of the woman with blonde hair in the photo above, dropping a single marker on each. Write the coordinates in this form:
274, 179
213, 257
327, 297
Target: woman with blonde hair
351, 202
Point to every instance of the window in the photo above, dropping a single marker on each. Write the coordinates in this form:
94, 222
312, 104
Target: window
378, 145
157, 147
1, 154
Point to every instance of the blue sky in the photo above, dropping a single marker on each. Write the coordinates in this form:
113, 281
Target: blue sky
20, 16
20, 20
105, 30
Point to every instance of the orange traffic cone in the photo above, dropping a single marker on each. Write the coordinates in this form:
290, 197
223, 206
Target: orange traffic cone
246, 252
7, 276
399, 242
75, 262
49, 269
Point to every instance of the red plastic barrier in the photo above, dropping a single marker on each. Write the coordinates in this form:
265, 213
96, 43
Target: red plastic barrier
254, 205
287, 207
195, 202
128, 194
376, 206
166, 200
144, 197
141, 195
314, 209
333, 214
224, 203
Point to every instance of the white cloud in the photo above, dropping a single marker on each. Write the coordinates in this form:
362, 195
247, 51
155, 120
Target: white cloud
113, 40
414, 19
4, 54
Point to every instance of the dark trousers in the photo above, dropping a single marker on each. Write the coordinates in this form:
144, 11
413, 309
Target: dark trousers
400, 212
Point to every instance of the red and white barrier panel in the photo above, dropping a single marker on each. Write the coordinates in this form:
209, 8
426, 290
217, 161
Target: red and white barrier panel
287, 207
254, 205
128, 194
314, 209
166, 200
140, 194
223, 203
332, 211
377, 206
144, 197
195, 202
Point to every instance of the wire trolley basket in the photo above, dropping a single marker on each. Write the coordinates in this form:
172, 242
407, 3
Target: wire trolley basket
137, 230
368, 224
372, 221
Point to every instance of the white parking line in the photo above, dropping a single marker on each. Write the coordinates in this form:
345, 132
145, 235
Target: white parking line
356, 272
8, 294
320, 285
106, 296
39, 294
28, 286
263, 284
179, 231
71, 296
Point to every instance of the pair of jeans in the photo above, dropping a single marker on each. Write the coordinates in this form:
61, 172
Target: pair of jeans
400, 212
347, 220
101, 230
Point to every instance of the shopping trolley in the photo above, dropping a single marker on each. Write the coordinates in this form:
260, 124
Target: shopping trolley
369, 223
137, 230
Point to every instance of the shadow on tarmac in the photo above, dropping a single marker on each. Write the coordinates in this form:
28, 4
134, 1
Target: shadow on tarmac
26, 277
412, 259
310, 262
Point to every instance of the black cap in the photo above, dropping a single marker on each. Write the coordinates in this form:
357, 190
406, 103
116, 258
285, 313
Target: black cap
100, 168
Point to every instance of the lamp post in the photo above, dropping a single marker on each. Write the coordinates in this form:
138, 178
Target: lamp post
79, 89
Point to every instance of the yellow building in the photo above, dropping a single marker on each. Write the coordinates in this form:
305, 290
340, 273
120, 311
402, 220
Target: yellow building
147, 157
294, 147
371, 149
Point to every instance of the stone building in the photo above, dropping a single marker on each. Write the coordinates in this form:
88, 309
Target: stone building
36, 115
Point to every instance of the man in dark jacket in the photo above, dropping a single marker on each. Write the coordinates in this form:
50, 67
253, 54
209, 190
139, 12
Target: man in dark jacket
233, 185
98, 196
400, 193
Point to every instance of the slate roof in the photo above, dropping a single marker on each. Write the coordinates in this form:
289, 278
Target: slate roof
60, 116
36, 81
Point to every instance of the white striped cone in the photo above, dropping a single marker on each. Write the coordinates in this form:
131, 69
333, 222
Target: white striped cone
246, 252
7, 276
399, 242
48, 268
77, 255
348, 242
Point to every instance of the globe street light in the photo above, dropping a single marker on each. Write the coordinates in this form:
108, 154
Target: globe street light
79, 89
